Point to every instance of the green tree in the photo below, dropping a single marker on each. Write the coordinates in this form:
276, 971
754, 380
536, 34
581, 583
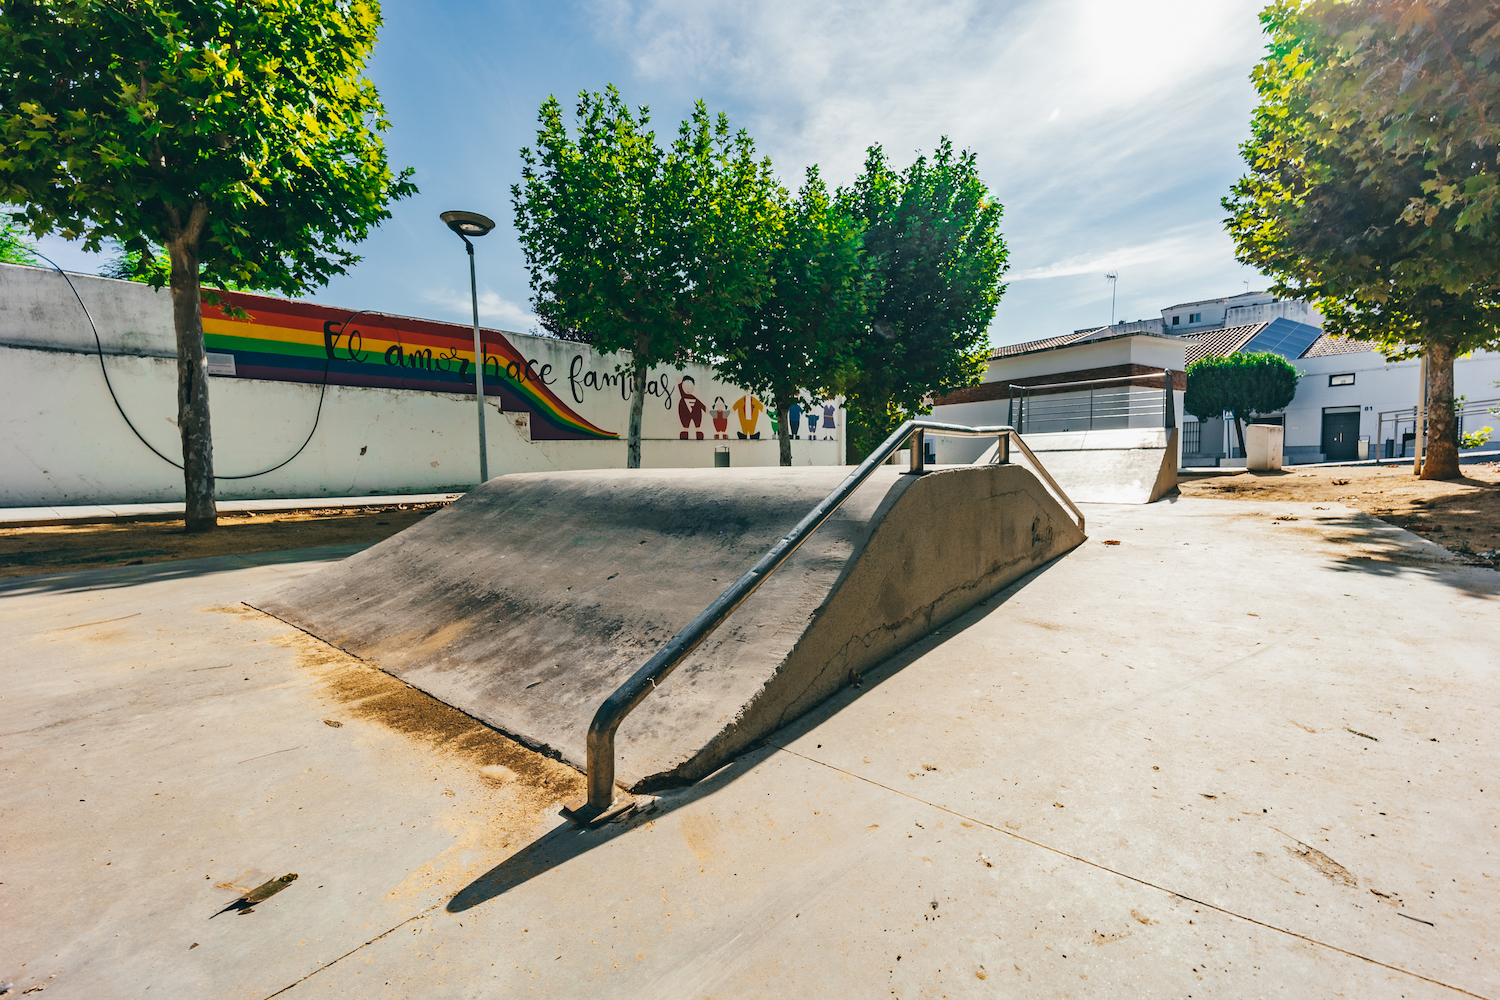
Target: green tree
799, 336
15, 248
632, 247
241, 137
144, 265
936, 257
1371, 180
1239, 384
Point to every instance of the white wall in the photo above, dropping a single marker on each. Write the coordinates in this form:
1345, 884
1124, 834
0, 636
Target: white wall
1151, 351
1378, 385
66, 443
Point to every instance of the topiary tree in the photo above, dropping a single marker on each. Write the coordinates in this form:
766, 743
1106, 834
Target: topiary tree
1240, 385
242, 138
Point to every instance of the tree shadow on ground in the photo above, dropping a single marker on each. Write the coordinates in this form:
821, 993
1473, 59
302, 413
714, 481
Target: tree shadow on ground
563, 844
115, 577
1363, 543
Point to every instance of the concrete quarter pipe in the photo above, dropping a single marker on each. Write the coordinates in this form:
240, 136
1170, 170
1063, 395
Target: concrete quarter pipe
1119, 465
529, 600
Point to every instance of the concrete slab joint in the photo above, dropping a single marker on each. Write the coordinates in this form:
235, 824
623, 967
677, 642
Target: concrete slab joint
531, 599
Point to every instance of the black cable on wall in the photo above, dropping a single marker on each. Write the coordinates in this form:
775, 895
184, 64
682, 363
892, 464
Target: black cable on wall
99, 348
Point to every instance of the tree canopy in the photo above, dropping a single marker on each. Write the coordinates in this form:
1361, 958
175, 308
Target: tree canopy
1370, 184
241, 137
1239, 384
800, 335
635, 247
935, 258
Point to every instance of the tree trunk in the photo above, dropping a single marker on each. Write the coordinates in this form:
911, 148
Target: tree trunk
784, 427
192, 378
639, 369
1442, 429
1239, 431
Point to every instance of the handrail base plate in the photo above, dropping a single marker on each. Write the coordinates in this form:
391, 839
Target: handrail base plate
579, 811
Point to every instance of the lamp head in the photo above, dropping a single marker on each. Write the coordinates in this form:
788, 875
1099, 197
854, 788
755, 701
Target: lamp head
467, 224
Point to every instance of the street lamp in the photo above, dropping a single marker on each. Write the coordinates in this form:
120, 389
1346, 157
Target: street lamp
467, 224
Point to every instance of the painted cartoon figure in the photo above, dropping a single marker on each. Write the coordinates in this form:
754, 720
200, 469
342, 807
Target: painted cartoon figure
720, 415
690, 408
794, 417
828, 425
748, 409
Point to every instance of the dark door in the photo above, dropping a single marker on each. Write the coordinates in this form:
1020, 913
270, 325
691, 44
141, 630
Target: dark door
1340, 437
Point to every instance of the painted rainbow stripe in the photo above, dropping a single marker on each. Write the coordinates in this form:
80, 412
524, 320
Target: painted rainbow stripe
286, 341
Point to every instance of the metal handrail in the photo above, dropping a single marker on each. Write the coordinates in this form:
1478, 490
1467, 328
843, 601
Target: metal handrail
1169, 409
601, 738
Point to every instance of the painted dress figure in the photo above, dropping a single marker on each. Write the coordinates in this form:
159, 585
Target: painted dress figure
748, 409
719, 412
828, 426
690, 408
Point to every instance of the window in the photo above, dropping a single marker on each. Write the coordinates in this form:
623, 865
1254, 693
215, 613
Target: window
1346, 379
1195, 317
1176, 320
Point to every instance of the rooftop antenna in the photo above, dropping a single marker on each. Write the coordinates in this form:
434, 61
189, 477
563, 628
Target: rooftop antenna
1113, 277
1247, 286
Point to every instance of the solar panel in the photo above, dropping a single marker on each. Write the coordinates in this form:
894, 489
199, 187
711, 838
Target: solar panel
1284, 337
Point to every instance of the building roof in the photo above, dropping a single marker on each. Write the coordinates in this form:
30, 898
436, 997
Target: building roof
1200, 344
1222, 341
1328, 345
1045, 344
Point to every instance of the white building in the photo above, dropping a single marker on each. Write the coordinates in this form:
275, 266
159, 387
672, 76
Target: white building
1350, 404
1235, 310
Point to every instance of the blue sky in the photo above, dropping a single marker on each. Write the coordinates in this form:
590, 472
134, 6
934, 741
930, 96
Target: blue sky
1109, 129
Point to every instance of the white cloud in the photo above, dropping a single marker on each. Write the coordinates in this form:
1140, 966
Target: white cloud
492, 307
1099, 124
1183, 245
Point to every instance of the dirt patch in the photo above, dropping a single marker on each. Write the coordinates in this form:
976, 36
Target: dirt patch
504, 791
1323, 863
1462, 515
358, 690
63, 547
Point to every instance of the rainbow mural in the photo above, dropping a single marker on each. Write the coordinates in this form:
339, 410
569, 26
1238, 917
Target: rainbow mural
285, 341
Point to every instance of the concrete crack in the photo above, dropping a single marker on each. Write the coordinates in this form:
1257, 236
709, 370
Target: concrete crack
1139, 881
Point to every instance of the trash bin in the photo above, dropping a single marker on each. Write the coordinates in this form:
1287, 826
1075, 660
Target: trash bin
721, 457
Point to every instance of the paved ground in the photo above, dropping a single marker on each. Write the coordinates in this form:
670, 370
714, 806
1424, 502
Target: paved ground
1247, 751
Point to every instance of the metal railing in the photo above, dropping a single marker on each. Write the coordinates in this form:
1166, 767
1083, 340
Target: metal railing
1090, 403
600, 802
1396, 430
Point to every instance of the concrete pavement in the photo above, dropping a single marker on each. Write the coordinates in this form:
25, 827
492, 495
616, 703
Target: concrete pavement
1246, 751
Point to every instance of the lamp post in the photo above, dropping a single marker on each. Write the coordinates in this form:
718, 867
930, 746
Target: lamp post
467, 224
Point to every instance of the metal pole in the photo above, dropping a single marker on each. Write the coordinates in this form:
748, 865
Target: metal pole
1169, 413
918, 446
484, 457
1418, 451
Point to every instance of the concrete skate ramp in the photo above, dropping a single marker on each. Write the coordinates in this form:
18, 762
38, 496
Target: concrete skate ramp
1124, 465
529, 600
